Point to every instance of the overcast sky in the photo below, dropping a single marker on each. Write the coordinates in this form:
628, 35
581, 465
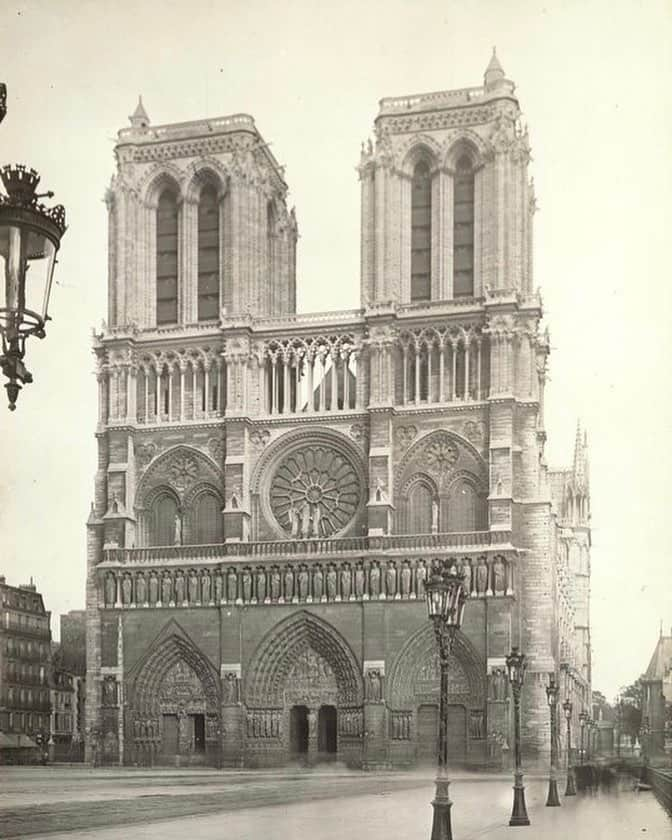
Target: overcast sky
594, 81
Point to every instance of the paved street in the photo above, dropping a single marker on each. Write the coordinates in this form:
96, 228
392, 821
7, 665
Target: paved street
325, 805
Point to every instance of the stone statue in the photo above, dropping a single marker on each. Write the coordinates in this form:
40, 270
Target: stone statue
166, 589
435, 517
305, 521
499, 681
247, 585
218, 587
465, 568
275, 583
261, 584
140, 589
303, 583
346, 582
193, 587
109, 692
289, 583
231, 585
127, 589
499, 575
205, 587
230, 688
374, 580
380, 494
332, 582
179, 587
153, 588
110, 590
312, 725
374, 685
318, 579
482, 576
391, 579
178, 529
316, 521
360, 578
420, 577
294, 521
405, 579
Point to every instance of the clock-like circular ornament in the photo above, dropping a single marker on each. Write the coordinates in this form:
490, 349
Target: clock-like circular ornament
314, 492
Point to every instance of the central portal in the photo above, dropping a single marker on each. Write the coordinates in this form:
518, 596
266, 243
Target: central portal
327, 739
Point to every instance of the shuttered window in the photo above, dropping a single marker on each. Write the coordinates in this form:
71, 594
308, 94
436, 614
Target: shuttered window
166, 259
463, 229
421, 233
208, 255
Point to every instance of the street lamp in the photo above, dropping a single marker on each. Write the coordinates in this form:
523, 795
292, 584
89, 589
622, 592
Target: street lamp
516, 665
30, 235
571, 788
583, 720
552, 691
446, 597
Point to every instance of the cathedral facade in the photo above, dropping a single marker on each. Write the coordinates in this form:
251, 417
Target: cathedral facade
272, 487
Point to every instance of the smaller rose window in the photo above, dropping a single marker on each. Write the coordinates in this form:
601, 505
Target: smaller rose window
441, 455
314, 492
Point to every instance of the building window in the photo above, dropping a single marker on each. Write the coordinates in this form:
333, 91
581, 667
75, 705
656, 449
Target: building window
207, 520
421, 233
164, 517
166, 259
463, 229
208, 255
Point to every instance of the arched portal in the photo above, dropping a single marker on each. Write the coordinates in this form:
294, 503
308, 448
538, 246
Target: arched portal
413, 693
305, 664
174, 704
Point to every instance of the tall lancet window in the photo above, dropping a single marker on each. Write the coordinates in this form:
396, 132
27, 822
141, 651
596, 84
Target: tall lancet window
421, 233
463, 229
166, 259
208, 255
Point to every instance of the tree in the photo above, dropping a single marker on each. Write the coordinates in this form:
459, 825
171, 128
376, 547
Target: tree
631, 715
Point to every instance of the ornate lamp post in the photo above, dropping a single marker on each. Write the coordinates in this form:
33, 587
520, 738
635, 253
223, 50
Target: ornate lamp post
516, 665
446, 598
583, 719
552, 692
644, 732
571, 788
30, 235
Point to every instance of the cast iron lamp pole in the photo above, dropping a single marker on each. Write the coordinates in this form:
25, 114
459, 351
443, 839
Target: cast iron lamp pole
516, 665
446, 598
619, 710
583, 717
552, 691
571, 788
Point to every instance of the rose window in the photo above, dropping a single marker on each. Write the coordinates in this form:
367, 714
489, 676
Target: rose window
314, 492
441, 455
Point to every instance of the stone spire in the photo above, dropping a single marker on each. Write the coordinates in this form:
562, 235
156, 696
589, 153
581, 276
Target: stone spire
580, 457
139, 118
494, 71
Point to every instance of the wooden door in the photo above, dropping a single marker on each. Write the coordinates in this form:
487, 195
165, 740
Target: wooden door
169, 737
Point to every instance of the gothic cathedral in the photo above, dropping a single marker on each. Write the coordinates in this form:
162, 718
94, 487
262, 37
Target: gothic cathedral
272, 487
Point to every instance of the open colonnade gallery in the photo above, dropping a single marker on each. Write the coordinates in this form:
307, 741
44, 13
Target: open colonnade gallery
273, 487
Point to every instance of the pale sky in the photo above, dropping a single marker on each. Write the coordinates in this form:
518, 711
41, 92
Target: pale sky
594, 80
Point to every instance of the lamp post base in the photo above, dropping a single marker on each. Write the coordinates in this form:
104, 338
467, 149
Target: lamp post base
441, 827
571, 787
552, 800
519, 813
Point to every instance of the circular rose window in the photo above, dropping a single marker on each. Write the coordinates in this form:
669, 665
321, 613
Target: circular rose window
314, 492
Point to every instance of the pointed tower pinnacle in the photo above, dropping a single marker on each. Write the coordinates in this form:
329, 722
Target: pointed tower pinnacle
139, 118
494, 71
580, 460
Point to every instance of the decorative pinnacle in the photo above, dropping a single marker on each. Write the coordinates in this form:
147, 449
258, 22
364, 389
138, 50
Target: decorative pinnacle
139, 118
494, 71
